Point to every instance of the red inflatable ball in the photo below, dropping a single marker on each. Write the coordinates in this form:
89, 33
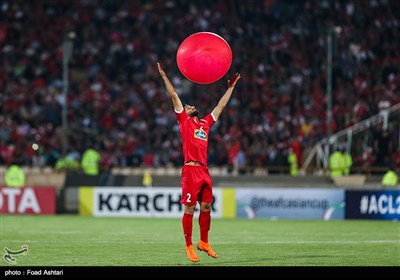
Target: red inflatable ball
204, 57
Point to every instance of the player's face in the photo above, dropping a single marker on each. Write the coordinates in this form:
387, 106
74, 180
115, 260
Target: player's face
191, 110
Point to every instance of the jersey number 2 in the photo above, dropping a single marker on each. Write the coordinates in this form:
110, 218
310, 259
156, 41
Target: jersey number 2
188, 197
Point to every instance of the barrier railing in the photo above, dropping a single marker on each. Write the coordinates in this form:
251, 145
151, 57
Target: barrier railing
322, 149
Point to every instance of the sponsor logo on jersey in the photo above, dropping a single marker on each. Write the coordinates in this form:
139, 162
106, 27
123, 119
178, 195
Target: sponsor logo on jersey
200, 134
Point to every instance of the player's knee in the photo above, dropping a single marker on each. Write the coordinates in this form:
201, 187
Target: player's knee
205, 206
189, 209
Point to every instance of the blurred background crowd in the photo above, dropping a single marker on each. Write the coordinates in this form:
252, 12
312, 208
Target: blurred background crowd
117, 103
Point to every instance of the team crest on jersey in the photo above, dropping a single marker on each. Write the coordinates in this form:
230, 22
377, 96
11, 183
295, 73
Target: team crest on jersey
200, 134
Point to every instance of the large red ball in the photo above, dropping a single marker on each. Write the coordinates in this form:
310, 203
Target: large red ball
204, 57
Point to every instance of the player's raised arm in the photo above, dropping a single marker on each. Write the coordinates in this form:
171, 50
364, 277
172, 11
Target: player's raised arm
225, 98
176, 101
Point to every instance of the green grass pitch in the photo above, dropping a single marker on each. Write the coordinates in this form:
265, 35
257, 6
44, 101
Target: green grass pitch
68, 240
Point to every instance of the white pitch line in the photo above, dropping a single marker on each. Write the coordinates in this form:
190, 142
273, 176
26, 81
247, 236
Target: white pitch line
91, 241
319, 242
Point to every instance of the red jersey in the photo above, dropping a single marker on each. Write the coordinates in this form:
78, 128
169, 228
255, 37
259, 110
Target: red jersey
194, 132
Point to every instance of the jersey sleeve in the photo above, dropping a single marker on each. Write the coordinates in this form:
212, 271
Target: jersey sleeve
181, 116
210, 119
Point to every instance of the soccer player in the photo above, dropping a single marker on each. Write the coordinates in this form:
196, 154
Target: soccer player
196, 181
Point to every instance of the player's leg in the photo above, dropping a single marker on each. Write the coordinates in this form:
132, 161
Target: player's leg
205, 224
187, 224
206, 199
189, 200
204, 220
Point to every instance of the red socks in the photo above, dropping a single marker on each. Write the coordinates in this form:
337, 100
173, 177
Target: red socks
187, 224
204, 223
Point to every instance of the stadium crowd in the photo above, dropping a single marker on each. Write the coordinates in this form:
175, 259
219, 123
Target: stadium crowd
117, 103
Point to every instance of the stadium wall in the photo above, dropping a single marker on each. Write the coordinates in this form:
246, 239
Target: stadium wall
69, 192
267, 203
229, 202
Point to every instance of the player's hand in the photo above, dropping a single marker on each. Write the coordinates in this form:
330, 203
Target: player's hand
162, 73
232, 82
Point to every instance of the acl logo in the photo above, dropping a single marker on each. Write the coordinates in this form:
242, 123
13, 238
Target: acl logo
383, 204
380, 205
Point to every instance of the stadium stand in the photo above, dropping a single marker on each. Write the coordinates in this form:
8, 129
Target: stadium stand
116, 99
